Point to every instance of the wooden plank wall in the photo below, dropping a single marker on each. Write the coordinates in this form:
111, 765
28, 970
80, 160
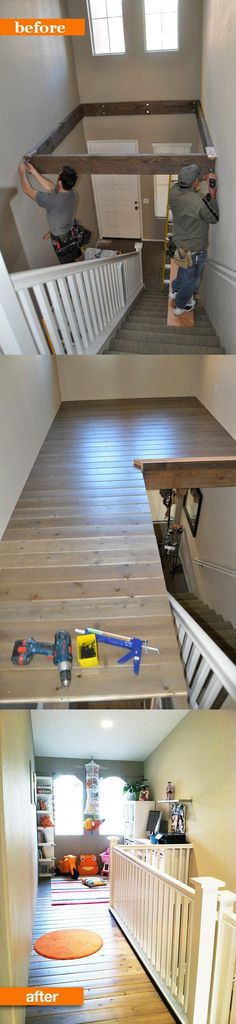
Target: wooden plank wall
80, 548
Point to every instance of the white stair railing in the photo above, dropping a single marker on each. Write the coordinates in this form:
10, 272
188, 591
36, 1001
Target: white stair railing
67, 309
223, 997
209, 673
171, 859
171, 926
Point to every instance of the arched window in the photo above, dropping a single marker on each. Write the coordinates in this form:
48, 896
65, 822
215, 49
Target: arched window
68, 801
112, 805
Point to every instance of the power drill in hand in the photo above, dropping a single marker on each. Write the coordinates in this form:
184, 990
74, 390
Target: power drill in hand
60, 652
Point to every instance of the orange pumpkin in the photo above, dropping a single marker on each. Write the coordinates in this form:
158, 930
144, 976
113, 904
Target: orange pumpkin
88, 865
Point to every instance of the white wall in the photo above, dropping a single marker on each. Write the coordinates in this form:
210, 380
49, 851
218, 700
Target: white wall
219, 102
18, 853
215, 543
136, 74
90, 378
198, 756
29, 399
38, 88
215, 540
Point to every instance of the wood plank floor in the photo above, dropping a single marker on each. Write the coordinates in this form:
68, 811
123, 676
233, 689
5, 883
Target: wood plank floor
80, 549
116, 988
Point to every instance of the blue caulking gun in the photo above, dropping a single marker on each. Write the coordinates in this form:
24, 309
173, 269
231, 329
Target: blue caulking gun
132, 644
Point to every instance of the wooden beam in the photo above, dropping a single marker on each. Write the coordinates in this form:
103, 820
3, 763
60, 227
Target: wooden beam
203, 127
132, 107
141, 163
59, 133
217, 471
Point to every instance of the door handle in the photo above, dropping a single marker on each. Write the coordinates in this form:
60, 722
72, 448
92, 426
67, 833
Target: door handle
136, 206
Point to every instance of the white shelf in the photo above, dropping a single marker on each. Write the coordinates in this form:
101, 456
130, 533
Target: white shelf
46, 860
44, 785
177, 800
48, 843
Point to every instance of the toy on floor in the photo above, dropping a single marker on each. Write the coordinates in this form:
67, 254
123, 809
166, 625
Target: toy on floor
105, 857
132, 644
88, 864
93, 883
68, 866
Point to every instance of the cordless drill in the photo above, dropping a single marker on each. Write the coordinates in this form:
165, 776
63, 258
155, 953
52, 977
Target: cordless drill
60, 652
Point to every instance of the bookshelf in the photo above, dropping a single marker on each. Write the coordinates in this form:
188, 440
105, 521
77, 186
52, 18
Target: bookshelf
45, 832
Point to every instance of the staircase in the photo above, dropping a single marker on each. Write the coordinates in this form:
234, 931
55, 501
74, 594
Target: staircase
145, 329
222, 632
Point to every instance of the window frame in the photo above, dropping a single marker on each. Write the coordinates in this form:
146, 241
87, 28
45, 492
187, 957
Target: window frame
161, 49
105, 53
102, 831
70, 775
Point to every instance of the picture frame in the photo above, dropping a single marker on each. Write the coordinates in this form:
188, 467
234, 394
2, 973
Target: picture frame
177, 819
192, 507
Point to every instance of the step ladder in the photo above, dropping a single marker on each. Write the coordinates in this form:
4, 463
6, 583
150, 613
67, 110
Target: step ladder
168, 232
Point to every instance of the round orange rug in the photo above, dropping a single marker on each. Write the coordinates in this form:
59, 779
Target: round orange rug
68, 944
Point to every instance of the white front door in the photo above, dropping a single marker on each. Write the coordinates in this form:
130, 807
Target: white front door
117, 196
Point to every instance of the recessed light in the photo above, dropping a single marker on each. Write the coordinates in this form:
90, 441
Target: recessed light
107, 723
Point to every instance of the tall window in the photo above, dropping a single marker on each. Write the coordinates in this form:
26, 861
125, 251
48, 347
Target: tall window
112, 806
106, 26
161, 24
68, 802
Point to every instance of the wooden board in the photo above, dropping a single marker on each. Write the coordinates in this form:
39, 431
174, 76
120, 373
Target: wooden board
116, 987
80, 548
185, 320
141, 163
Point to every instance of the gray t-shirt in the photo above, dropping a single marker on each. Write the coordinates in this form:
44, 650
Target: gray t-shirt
60, 207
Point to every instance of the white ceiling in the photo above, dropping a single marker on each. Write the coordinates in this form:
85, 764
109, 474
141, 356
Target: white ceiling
134, 735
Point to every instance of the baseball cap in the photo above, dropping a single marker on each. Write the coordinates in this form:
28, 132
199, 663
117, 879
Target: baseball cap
188, 175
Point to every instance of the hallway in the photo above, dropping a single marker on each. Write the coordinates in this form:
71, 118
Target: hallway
116, 987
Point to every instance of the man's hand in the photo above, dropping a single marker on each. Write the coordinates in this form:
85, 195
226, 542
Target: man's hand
212, 188
22, 167
28, 166
31, 192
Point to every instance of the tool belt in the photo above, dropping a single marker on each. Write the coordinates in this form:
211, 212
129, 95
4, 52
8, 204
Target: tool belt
68, 246
183, 257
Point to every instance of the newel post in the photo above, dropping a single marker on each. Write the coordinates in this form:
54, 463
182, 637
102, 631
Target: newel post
202, 948
224, 958
16, 338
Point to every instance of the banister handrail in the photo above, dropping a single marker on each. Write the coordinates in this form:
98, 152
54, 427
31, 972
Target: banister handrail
27, 278
181, 887
216, 568
218, 661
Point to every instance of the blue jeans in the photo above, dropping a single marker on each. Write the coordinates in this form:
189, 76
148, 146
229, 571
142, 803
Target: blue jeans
188, 279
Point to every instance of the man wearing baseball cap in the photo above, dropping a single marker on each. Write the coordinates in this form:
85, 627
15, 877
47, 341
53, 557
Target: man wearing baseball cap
192, 213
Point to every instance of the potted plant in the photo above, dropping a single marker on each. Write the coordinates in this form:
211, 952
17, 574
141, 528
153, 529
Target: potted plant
137, 790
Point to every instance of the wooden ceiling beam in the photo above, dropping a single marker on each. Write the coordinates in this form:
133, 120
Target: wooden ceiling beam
140, 163
196, 472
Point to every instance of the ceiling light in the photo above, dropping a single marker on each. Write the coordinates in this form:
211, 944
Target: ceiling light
106, 723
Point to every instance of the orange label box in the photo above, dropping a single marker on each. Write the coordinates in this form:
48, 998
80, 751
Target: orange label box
41, 996
42, 27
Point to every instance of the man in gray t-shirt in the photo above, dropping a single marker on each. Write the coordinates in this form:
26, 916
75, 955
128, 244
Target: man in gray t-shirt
58, 200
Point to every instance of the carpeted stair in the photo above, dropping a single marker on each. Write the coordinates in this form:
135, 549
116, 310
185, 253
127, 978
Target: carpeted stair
145, 329
223, 633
